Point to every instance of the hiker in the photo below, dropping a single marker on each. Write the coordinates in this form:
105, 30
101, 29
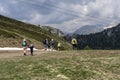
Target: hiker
59, 45
74, 43
24, 44
45, 43
31, 49
52, 44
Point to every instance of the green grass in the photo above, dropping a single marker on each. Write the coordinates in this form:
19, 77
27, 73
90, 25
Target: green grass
11, 28
64, 65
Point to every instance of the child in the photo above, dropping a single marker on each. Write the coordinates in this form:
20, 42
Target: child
31, 49
59, 45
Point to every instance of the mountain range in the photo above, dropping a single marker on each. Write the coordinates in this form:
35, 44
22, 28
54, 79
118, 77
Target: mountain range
13, 31
88, 29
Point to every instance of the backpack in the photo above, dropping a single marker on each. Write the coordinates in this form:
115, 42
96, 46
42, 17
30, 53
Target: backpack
24, 43
52, 42
74, 41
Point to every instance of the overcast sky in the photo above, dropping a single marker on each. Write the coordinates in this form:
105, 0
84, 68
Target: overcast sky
67, 15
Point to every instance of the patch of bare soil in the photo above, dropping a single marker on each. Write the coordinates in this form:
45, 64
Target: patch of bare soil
12, 54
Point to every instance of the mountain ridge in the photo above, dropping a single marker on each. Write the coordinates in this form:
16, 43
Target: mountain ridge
88, 29
13, 31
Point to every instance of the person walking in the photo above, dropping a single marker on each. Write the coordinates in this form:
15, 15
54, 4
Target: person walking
52, 44
24, 45
59, 45
45, 43
31, 49
74, 43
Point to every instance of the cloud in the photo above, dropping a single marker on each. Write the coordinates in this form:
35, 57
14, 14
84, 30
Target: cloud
67, 15
2, 10
35, 18
98, 12
104, 8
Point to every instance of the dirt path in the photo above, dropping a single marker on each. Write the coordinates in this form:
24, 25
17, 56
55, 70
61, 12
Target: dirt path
12, 54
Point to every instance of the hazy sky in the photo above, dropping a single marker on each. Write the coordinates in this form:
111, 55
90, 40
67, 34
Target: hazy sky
67, 15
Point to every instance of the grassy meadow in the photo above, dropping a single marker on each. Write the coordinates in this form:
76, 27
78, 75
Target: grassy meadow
63, 65
13, 31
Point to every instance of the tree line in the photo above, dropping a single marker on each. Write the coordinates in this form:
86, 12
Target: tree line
107, 39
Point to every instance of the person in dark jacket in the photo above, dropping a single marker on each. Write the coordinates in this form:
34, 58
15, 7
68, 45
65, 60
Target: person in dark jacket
52, 44
31, 49
45, 43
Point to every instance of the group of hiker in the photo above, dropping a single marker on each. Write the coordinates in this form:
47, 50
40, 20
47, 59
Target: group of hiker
48, 45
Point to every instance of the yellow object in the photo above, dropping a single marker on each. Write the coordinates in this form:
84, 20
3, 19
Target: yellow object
74, 41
